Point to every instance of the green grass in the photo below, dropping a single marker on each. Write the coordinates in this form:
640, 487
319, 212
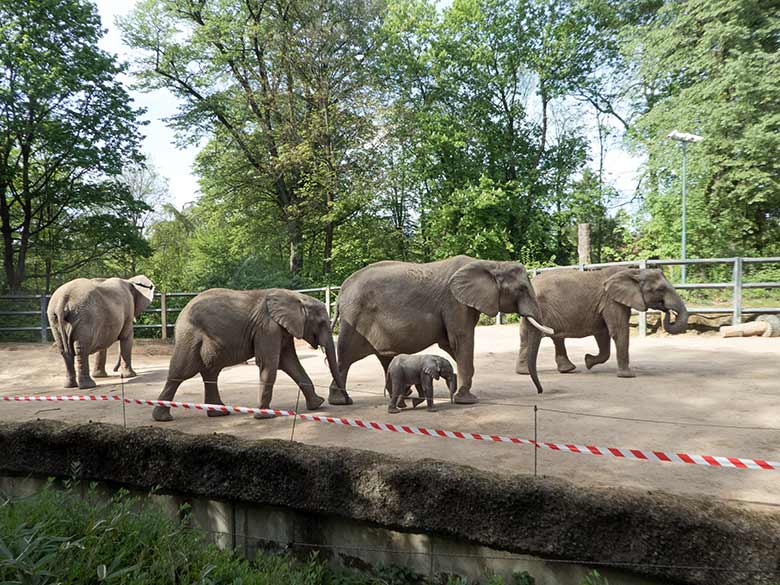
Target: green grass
61, 536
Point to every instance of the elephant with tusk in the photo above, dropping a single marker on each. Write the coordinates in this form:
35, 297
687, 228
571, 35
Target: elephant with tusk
389, 308
598, 303
221, 328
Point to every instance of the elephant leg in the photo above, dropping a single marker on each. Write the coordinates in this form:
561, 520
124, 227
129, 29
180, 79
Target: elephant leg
425, 391
521, 365
618, 330
291, 365
561, 358
397, 390
603, 341
351, 347
268, 366
82, 367
126, 351
406, 390
181, 368
70, 370
211, 390
385, 361
99, 371
464, 358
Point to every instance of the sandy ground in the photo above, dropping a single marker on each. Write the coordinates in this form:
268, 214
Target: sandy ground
701, 385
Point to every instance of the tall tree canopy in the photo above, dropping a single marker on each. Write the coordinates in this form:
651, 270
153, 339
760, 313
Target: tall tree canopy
711, 67
67, 128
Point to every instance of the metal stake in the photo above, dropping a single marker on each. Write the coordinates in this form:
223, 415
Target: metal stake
295, 416
536, 445
124, 414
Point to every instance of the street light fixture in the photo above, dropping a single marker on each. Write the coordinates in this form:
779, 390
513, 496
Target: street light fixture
683, 138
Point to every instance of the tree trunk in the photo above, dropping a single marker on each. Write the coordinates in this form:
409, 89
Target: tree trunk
583, 243
296, 252
328, 262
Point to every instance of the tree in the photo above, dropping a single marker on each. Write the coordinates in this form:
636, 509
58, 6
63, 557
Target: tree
67, 128
281, 90
711, 67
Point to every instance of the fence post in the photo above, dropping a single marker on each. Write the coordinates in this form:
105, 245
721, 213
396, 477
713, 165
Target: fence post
736, 317
327, 301
44, 318
498, 318
163, 316
643, 314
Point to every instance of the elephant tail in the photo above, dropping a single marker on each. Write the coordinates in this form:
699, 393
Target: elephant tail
64, 329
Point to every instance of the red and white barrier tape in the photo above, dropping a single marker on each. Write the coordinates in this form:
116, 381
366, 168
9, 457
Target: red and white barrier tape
635, 454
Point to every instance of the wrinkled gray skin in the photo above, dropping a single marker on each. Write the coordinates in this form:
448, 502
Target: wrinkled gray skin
598, 303
389, 308
88, 315
221, 328
419, 370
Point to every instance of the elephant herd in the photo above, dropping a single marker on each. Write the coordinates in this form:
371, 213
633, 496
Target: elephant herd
389, 309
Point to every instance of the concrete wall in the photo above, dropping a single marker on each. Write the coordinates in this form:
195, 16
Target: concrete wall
363, 508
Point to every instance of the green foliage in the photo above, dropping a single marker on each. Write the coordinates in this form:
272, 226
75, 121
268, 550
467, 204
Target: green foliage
58, 537
710, 67
67, 128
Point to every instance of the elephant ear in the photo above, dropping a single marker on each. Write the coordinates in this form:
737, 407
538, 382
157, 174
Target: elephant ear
623, 287
475, 286
431, 368
144, 286
288, 311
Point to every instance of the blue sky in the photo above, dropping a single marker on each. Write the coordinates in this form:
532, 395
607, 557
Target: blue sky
175, 164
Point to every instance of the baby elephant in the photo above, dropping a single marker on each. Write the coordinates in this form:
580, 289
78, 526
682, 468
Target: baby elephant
419, 370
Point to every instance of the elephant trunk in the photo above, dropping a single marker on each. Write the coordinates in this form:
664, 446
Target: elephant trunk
534, 340
330, 355
680, 324
452, 383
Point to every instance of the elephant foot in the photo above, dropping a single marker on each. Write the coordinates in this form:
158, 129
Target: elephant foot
564, 367
314, 403
214, 413
393, 410
417, 401
85, 383
99, 374
264, 415
592, 360
162, 414
626, 373
70, 383
465, 397
522, 368
338, 397
128, 373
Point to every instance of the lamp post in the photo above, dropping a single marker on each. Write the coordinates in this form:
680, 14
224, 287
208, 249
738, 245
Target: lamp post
683, 138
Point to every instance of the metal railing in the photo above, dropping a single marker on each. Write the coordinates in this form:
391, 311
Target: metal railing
737, 285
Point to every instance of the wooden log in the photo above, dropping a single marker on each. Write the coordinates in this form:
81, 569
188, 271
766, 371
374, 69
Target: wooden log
745, 329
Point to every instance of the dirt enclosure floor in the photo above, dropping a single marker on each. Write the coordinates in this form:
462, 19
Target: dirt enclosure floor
703, 387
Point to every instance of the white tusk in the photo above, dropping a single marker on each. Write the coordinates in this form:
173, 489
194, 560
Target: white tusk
539, 326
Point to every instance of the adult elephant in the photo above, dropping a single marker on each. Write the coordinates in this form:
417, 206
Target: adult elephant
221, 328
389, 308
88, 315
599, 302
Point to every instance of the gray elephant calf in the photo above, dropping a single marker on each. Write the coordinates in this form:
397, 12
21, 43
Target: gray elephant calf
419, 370
88, 315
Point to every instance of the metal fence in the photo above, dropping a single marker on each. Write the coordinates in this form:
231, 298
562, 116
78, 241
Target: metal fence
737, 285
